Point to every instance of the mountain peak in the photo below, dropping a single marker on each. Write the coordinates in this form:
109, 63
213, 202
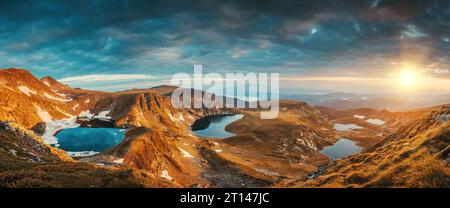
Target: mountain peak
16, 72
53, 83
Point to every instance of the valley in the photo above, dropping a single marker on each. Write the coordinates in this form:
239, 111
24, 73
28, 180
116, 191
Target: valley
158, 145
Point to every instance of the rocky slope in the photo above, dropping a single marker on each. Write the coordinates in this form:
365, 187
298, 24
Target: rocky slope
160, 150
372, 125
159, 145
47, 105
28, 101
25, 161
415, 155
283, 148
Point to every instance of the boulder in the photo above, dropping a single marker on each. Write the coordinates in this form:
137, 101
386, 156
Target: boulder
39, 128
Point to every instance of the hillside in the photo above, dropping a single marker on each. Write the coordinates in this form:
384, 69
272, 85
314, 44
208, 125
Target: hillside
25, 161
161, 150
28, 101
415, 155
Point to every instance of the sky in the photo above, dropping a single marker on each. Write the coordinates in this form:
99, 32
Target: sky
363, 46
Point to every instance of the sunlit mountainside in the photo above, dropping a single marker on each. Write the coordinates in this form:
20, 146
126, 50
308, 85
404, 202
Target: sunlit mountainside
159, 149
225, 94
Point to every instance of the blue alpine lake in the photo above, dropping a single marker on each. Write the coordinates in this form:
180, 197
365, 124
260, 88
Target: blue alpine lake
89, 139
214, 126
342, 148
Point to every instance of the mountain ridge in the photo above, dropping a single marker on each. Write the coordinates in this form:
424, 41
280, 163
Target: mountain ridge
160, 150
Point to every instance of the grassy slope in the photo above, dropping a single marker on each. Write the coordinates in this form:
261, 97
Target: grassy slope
407, 158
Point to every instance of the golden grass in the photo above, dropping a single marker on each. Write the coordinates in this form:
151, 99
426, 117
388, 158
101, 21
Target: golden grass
420, 172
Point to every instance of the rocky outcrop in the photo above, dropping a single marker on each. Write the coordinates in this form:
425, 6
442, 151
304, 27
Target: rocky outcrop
39, 128
21, 146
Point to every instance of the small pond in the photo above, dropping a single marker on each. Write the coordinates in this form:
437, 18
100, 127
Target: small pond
342, 148
214, 126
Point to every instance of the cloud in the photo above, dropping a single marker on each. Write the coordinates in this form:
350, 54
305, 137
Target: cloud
166, 54
19, 46
239, 52
105, 77
412, 32
375, 4
332, 38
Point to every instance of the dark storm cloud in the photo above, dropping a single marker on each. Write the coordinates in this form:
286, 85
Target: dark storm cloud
68, 38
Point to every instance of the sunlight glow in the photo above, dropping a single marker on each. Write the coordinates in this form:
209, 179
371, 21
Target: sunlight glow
408, 78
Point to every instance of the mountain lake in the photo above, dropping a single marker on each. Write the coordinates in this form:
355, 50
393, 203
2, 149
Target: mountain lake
214, 126
89, 139
342, 148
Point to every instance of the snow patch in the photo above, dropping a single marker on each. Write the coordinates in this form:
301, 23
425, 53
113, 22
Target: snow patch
44, 115
360, 117
25, 90
218, 150
118, 161
66, 114
100, 115
46, 83
53, 126
165, 175
376, 121
82, 153
185, 153
86, 114
60, 94
346, 127
87, 101
75, 106
103, 115
55, 98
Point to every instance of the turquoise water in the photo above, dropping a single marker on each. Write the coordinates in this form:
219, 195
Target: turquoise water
89, 139
342, 148
214, 126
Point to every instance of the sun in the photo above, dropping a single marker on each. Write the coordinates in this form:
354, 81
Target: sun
408, 78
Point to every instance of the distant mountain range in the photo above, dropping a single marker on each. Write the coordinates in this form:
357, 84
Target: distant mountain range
344, 101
